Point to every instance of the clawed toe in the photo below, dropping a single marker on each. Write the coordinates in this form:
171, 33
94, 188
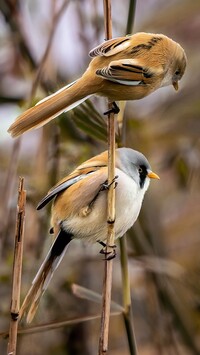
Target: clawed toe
109, 251
106, 185
115, 109
111, 255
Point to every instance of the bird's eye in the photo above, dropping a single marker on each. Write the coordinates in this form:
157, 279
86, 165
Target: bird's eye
140, 170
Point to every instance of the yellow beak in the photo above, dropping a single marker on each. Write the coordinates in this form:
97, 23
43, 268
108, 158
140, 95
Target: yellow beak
175, 85
152, 175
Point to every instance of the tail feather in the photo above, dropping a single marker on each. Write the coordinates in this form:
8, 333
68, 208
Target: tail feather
45, 274
50, 107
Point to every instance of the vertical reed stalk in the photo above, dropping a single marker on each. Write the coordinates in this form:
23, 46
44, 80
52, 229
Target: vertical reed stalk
17, 269
107, 283
127, 313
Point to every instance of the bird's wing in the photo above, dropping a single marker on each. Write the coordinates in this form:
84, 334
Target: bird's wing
127, 72
68, 181
110, 47
81, 172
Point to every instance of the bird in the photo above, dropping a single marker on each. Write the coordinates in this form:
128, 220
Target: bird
123, 68
79, 210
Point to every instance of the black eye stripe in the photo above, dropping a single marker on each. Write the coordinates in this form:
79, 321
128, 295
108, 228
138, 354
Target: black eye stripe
142, 175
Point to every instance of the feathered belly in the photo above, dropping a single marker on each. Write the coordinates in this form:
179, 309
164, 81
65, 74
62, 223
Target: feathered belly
118, 92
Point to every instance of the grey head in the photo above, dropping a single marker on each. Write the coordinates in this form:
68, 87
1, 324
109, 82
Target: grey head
136, 165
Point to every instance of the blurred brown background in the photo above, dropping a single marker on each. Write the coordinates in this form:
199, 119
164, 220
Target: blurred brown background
41, 49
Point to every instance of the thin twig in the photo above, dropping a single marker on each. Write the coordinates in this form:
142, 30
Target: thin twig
44, 327
17, 269
107, 284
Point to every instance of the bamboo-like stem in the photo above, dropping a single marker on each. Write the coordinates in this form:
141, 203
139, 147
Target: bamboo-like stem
107, 283
131, 15
17, 269
127, 313
7, 192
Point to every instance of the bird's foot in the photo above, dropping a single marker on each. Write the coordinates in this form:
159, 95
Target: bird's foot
108, 250
114, 109
106, 185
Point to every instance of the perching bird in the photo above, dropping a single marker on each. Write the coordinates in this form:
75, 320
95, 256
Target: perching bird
80, 210
124, 68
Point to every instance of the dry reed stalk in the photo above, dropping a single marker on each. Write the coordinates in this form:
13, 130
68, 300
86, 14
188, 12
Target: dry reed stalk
107, 282
17, 268
127, 313
10, 180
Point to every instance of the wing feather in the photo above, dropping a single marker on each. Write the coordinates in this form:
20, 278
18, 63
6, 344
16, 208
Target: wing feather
59, 188
110, 47
81, 172
126, 72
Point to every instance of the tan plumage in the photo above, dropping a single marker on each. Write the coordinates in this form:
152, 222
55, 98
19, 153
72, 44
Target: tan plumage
124, 68
80, 210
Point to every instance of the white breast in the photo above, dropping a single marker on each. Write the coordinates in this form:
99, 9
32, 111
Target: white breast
129, 197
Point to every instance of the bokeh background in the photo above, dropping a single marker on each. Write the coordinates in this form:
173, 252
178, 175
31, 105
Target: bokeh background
44, 45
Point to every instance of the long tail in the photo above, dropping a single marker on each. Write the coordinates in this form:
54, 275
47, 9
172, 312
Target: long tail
44, 275
63, 100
